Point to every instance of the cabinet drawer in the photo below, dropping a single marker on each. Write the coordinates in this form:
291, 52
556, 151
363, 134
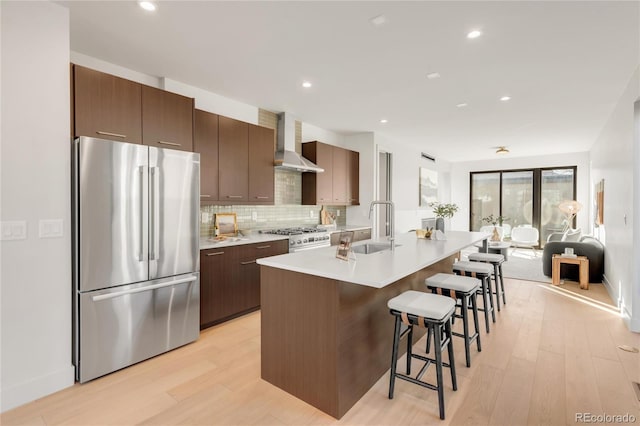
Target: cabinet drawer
266, 249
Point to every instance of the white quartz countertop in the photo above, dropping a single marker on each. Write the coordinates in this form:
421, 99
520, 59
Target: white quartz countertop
207, 243
378, 269
349, 228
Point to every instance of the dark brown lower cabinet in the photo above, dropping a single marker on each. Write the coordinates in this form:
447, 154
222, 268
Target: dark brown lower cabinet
230, 280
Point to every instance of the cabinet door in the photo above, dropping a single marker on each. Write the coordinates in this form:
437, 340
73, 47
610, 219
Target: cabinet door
362, 234
317, 188
261, 172
248, 283
167, 119
205, 142
340, 175
233, 160
106, 106
215, 271
353, 179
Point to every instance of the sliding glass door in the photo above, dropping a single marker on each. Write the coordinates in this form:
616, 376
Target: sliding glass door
522, 197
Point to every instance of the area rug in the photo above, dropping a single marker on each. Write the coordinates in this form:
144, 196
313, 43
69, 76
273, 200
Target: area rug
521, 265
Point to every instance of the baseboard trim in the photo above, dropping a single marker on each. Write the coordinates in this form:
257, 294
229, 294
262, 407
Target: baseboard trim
35, 388
633, 324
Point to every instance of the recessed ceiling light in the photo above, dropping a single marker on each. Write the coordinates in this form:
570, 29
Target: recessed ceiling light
505, 98
306, 84
384, 120
433, 75
378, 20
147, 5
461, 105
474, 34
502, 150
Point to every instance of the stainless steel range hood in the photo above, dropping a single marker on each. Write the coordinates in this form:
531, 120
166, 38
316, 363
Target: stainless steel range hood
286, 157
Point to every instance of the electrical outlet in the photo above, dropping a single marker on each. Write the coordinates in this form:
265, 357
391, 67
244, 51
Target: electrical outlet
254, 215
14, 230
311, 215
338, 212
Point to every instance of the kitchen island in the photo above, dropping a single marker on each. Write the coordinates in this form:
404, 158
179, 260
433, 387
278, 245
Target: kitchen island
326, 329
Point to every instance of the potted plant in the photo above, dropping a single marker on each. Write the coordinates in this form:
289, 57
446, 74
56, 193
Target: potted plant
443, 210
495, 221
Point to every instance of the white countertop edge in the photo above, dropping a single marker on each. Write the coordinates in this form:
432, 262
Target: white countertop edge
206, 244
324, 259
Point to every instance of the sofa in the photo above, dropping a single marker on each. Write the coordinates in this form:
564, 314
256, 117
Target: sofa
586, 246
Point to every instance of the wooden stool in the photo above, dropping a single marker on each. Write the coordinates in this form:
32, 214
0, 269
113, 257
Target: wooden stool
433, 312
463, 289
483, 272
496, 260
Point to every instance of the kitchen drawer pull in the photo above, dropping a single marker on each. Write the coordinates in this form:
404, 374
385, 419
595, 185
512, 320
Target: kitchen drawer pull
215, 254
116, 135
259, 197
234, 196
262, 247
205, 196
168, 143
248, 263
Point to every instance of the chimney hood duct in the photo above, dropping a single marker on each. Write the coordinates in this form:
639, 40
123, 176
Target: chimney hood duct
286, 157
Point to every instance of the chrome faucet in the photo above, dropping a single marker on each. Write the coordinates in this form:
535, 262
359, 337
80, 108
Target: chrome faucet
391, 219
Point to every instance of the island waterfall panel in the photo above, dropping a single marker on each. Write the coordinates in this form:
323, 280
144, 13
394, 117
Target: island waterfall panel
327, 341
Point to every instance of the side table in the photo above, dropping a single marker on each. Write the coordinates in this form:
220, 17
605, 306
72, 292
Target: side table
581, 261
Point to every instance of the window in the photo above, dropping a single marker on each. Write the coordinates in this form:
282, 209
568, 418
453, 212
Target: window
525, 197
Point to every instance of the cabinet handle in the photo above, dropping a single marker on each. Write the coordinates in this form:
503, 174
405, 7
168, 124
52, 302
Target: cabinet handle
215, 254
116, 135
262, 247
168, 143
248, 263
259, 197
234, 196
205, 196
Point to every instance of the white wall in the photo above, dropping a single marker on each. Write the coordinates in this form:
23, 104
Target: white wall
311, 132
460, 189
35, 181
363, 143
614, 157
406, 163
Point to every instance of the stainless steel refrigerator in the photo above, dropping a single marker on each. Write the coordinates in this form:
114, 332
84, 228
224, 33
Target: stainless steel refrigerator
136, 253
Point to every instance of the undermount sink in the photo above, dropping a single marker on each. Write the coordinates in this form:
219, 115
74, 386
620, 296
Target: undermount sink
371, 248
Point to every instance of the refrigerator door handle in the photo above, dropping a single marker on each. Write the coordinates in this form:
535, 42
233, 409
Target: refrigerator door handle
141, 242
141, 289
153, 206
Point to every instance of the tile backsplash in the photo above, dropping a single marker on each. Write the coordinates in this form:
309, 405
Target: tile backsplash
286, 212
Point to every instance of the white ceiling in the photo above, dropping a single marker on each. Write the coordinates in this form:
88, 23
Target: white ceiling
565, 64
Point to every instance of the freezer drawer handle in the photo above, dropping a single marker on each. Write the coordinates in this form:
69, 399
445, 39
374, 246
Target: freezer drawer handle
141, 289
215, 254
115, 135
168, 143
248, 263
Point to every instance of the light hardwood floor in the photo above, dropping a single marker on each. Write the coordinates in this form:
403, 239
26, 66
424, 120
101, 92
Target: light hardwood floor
552, 353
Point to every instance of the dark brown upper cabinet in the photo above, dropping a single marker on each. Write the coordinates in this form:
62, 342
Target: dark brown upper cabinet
339, 183
167, 119
261, 171
106, 106
233, 160
205, 142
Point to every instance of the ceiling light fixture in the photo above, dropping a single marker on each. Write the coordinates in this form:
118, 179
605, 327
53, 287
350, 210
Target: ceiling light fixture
147, 5
502, 150
462, 105
384, 121
306, 84
505, 98
474, 34
433, 75
378, 20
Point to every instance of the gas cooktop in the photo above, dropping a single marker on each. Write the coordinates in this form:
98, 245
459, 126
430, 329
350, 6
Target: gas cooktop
293, 231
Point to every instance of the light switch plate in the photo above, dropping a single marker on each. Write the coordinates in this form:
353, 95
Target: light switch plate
14, 230
50, 228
